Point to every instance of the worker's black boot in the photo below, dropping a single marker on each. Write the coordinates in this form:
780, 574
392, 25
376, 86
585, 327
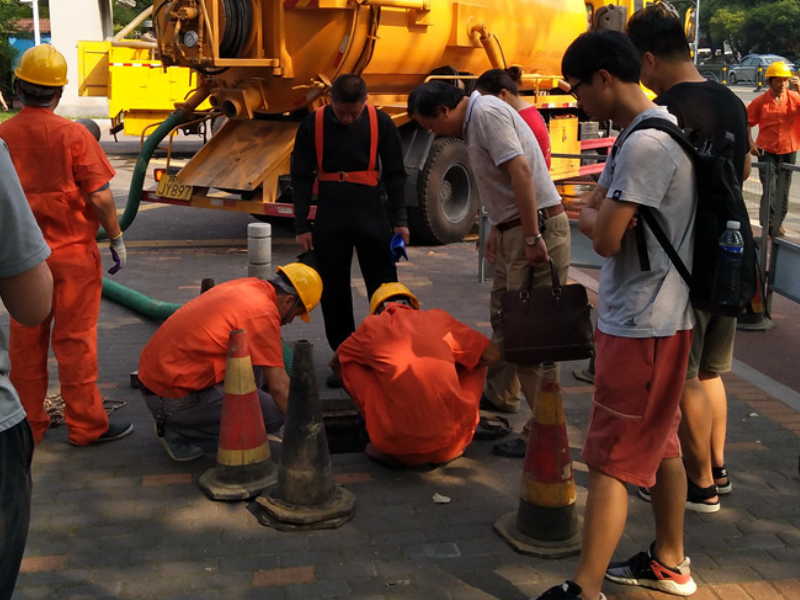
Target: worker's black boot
333, 381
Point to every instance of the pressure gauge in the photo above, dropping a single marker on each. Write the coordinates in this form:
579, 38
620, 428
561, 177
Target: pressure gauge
190, 39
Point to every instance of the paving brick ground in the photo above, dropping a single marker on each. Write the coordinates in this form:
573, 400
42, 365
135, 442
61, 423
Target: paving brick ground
123, 521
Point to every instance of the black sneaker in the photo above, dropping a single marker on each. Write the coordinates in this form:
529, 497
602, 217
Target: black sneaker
569, 590
721, 473
645, 494
699, 499
644, 570
115, 431
178, 448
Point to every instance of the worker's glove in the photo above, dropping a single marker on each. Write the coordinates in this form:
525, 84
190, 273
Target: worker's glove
118, 253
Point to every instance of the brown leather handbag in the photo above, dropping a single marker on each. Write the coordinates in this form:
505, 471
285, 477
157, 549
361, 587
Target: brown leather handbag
546, 324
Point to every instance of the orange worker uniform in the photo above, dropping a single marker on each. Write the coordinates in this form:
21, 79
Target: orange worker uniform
415, 376
59, 163
188, 352
778, 121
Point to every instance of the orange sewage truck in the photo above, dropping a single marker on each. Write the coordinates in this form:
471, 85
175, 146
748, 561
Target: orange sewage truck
264, 63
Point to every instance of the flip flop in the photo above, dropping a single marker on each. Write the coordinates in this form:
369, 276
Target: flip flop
511, 448
492, 428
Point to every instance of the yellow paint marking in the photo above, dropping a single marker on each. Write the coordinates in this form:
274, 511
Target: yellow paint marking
239, 377
145, 207
235, 458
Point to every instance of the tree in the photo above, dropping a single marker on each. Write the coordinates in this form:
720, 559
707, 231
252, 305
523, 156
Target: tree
727, 24
772, 28
124, 13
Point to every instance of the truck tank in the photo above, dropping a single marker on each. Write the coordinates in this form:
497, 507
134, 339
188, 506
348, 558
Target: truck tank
264, 63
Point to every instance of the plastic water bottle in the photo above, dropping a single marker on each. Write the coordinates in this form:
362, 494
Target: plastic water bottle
731, 251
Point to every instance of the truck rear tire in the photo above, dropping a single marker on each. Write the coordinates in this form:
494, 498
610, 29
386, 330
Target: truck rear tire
447, 195
92, 126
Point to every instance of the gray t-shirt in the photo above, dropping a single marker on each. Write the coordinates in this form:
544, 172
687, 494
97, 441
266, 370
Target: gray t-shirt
22, 247
649, 169
495, 133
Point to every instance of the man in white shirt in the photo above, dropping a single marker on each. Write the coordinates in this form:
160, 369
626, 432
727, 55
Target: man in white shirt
529, 225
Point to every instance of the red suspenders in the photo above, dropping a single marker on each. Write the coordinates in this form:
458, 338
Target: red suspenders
371, 176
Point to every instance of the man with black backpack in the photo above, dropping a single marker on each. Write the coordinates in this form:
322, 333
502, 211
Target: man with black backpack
644, 328
707, 111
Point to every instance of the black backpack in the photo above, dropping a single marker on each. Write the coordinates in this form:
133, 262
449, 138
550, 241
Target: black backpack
719, 200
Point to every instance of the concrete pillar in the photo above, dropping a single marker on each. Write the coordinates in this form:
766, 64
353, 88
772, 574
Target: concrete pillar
70, 22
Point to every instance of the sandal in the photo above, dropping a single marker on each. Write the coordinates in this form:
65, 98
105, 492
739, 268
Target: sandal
492, 428
697, 498
511, 449
722, 473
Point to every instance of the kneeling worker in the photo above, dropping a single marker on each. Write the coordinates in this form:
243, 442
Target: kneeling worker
183, 365
417, 377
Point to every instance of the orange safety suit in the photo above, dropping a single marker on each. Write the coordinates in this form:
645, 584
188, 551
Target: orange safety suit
59, 163
415, 375
778, 121
188, 352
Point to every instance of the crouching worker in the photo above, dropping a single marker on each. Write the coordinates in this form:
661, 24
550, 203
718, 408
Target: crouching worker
417, 377
182, 368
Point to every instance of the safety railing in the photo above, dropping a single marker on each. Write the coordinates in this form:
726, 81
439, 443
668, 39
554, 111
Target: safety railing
779, 258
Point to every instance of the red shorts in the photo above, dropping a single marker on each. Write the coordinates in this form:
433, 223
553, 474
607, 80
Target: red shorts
638, 388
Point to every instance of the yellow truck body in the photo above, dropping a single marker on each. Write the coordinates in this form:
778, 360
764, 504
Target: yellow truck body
140, 90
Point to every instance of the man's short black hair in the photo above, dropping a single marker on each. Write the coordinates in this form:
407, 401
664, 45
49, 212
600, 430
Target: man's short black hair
596, 50
495, 81
349, 88
658, 30
428, 98
33, 94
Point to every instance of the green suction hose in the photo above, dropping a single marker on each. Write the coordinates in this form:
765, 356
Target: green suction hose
140, 170
156, 310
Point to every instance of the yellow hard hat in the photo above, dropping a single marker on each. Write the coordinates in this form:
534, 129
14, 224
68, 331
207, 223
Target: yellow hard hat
779, 69
389, 290
43, 65
306, 282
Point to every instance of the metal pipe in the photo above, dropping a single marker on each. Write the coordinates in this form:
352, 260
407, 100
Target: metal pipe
490, 45
410, 4
135, 44
483, 236
138, 20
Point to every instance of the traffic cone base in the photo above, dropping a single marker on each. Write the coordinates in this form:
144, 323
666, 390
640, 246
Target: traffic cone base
507, 527
280, 515
306, 496
223, 483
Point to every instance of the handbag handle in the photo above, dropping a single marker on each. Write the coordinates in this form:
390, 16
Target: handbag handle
554, 281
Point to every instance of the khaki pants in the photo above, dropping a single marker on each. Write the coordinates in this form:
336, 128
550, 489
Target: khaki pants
505, 380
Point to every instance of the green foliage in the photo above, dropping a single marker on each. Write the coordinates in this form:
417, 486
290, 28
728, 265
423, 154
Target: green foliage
728, 24
764, 26
772, 28
124, 14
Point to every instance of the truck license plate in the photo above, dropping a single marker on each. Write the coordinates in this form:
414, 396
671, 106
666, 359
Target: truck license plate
169, 187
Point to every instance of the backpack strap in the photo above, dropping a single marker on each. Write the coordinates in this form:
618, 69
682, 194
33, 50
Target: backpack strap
648, 218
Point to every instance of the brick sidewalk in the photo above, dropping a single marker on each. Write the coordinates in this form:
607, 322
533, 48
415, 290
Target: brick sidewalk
122, 521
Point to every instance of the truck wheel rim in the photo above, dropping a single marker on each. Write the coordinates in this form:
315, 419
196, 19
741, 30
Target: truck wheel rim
455, 193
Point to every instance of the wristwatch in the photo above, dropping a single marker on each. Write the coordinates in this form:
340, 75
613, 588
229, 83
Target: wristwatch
532, 240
